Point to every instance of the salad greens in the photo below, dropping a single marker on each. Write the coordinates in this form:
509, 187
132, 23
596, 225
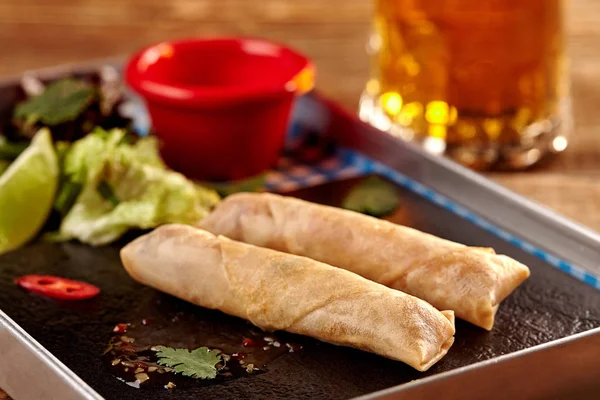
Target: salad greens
61, 101
110, 185
109, 179
70, 107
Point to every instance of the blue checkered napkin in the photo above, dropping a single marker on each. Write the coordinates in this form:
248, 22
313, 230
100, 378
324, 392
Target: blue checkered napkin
292, 175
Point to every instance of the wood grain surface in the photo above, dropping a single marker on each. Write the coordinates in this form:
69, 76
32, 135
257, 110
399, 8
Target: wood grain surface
37, 33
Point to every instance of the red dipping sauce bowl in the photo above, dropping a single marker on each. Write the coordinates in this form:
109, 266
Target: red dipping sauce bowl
220, 107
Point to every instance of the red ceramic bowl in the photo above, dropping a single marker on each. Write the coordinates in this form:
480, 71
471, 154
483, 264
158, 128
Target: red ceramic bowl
220, 106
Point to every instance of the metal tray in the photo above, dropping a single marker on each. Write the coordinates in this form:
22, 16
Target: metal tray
53, 351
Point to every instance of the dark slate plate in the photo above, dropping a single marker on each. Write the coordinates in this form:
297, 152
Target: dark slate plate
550, 305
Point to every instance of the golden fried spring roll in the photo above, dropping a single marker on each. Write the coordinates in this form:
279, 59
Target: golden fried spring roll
279, 291
471, 281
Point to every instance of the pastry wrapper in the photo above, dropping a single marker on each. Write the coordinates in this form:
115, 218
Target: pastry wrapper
280, 291
471, 281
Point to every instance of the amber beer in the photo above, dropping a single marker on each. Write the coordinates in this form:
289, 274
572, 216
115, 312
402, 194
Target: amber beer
483, 81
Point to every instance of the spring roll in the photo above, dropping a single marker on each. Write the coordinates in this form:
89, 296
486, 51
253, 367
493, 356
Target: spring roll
280, 291
471, 281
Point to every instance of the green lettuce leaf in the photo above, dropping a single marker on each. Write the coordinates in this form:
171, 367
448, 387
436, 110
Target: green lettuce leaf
118, 186
83, 159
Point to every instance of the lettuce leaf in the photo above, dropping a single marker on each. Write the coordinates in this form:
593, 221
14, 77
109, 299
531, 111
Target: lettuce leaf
121, 186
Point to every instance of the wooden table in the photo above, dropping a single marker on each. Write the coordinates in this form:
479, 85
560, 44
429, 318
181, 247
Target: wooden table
41, 33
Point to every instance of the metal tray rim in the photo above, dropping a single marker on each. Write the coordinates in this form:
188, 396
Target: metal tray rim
480, 365
50, 370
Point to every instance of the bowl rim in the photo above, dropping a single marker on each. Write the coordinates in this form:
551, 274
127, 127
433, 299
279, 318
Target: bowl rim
154, 90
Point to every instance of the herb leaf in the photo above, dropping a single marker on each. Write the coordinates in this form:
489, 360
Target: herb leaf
373, 196
251, 184
199, 363
63, 100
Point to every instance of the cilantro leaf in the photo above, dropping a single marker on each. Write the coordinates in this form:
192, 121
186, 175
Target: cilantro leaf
199, 363
63, 100
373, 196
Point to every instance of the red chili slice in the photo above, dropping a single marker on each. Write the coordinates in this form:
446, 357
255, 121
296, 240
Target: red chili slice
57, 287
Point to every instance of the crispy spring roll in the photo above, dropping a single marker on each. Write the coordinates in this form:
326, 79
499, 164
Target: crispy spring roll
280, 291
471, 281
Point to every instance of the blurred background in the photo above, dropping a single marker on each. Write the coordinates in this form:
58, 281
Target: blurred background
38, 33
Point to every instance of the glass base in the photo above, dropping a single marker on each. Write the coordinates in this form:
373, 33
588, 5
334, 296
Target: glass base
535, 141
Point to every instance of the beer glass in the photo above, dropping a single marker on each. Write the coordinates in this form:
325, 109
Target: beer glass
484, 82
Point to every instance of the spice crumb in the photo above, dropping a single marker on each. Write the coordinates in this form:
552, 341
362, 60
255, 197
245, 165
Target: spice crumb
127, 339
169, 385
142, 377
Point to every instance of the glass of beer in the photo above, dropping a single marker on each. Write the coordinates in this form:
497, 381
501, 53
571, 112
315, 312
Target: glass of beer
484, 82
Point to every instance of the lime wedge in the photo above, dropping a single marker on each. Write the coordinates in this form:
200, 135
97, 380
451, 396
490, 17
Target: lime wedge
27, 190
